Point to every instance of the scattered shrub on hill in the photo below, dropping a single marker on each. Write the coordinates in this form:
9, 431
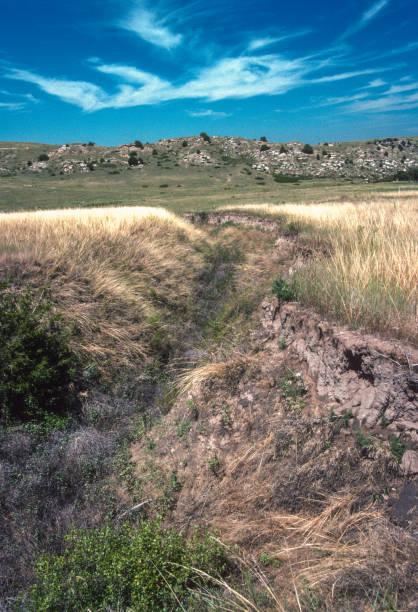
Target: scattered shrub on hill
90, 166
283, 149
43, 157
406, 175
205, 137
184, 143
263, 139
91, 144
138, 144
133, 158
146, 568
307, 149
29, 163
37, 368
264, 147
285, 178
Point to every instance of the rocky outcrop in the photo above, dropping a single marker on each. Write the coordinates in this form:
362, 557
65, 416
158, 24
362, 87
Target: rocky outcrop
373, 378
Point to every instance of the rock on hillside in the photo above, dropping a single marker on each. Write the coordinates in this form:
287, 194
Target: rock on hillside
367, 160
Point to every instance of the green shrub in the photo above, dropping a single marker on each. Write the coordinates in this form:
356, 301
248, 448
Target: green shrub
263, 139
264, 147
138, 144
307, 149
283, 290
43, 157
205, 137
37, 368
145, 568
285, 178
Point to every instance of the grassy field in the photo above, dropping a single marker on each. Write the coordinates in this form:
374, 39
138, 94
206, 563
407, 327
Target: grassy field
368, 274
178, 189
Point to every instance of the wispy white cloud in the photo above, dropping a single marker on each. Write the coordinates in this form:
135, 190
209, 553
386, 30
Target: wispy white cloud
12, 106
86, 95
348, 75
146, 24
19, 102
384, 103
375, 83
260, 43
208, 113
232, 77
367, 16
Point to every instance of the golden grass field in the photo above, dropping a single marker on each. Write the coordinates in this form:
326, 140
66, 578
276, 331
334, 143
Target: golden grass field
112, 272
368, 276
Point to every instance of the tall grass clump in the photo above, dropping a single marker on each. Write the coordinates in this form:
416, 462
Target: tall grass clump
121, 276
365, 272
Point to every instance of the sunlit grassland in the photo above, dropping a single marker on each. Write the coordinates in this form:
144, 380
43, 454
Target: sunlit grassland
364, 268
114, 273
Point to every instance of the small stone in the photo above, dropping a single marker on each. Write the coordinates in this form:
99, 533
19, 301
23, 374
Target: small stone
409, 465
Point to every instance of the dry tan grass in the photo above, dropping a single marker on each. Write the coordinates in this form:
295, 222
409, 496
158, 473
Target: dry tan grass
320, 559
112, 272
370, 278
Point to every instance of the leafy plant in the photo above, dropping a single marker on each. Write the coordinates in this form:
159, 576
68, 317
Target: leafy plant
307, 148
43, 157
293, 389
283, 290
146, 568
183, 428
214, 464
398, 447
37, 367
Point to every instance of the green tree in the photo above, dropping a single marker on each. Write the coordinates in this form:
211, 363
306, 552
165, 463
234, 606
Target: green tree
308, 149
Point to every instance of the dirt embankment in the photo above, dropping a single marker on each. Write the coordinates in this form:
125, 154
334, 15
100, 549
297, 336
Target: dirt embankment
375, 379
307, 425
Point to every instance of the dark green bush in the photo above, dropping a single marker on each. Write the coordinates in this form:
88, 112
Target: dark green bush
37, 368
406, 175
263, 139
307, 149
138, 144
43, 157
283, 290
146, 568
205, 137
264, 147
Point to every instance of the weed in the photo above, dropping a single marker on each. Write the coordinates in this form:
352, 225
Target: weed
214, 464
183, 427
192, 409
283, 290
398, 447
151, 444
366, 444
340, 421
293, 388
226, 416
282, 343
267, 559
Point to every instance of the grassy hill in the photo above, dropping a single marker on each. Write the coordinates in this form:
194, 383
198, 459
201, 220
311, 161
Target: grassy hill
187, 174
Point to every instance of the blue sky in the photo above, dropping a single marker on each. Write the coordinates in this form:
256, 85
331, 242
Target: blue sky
112, 71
